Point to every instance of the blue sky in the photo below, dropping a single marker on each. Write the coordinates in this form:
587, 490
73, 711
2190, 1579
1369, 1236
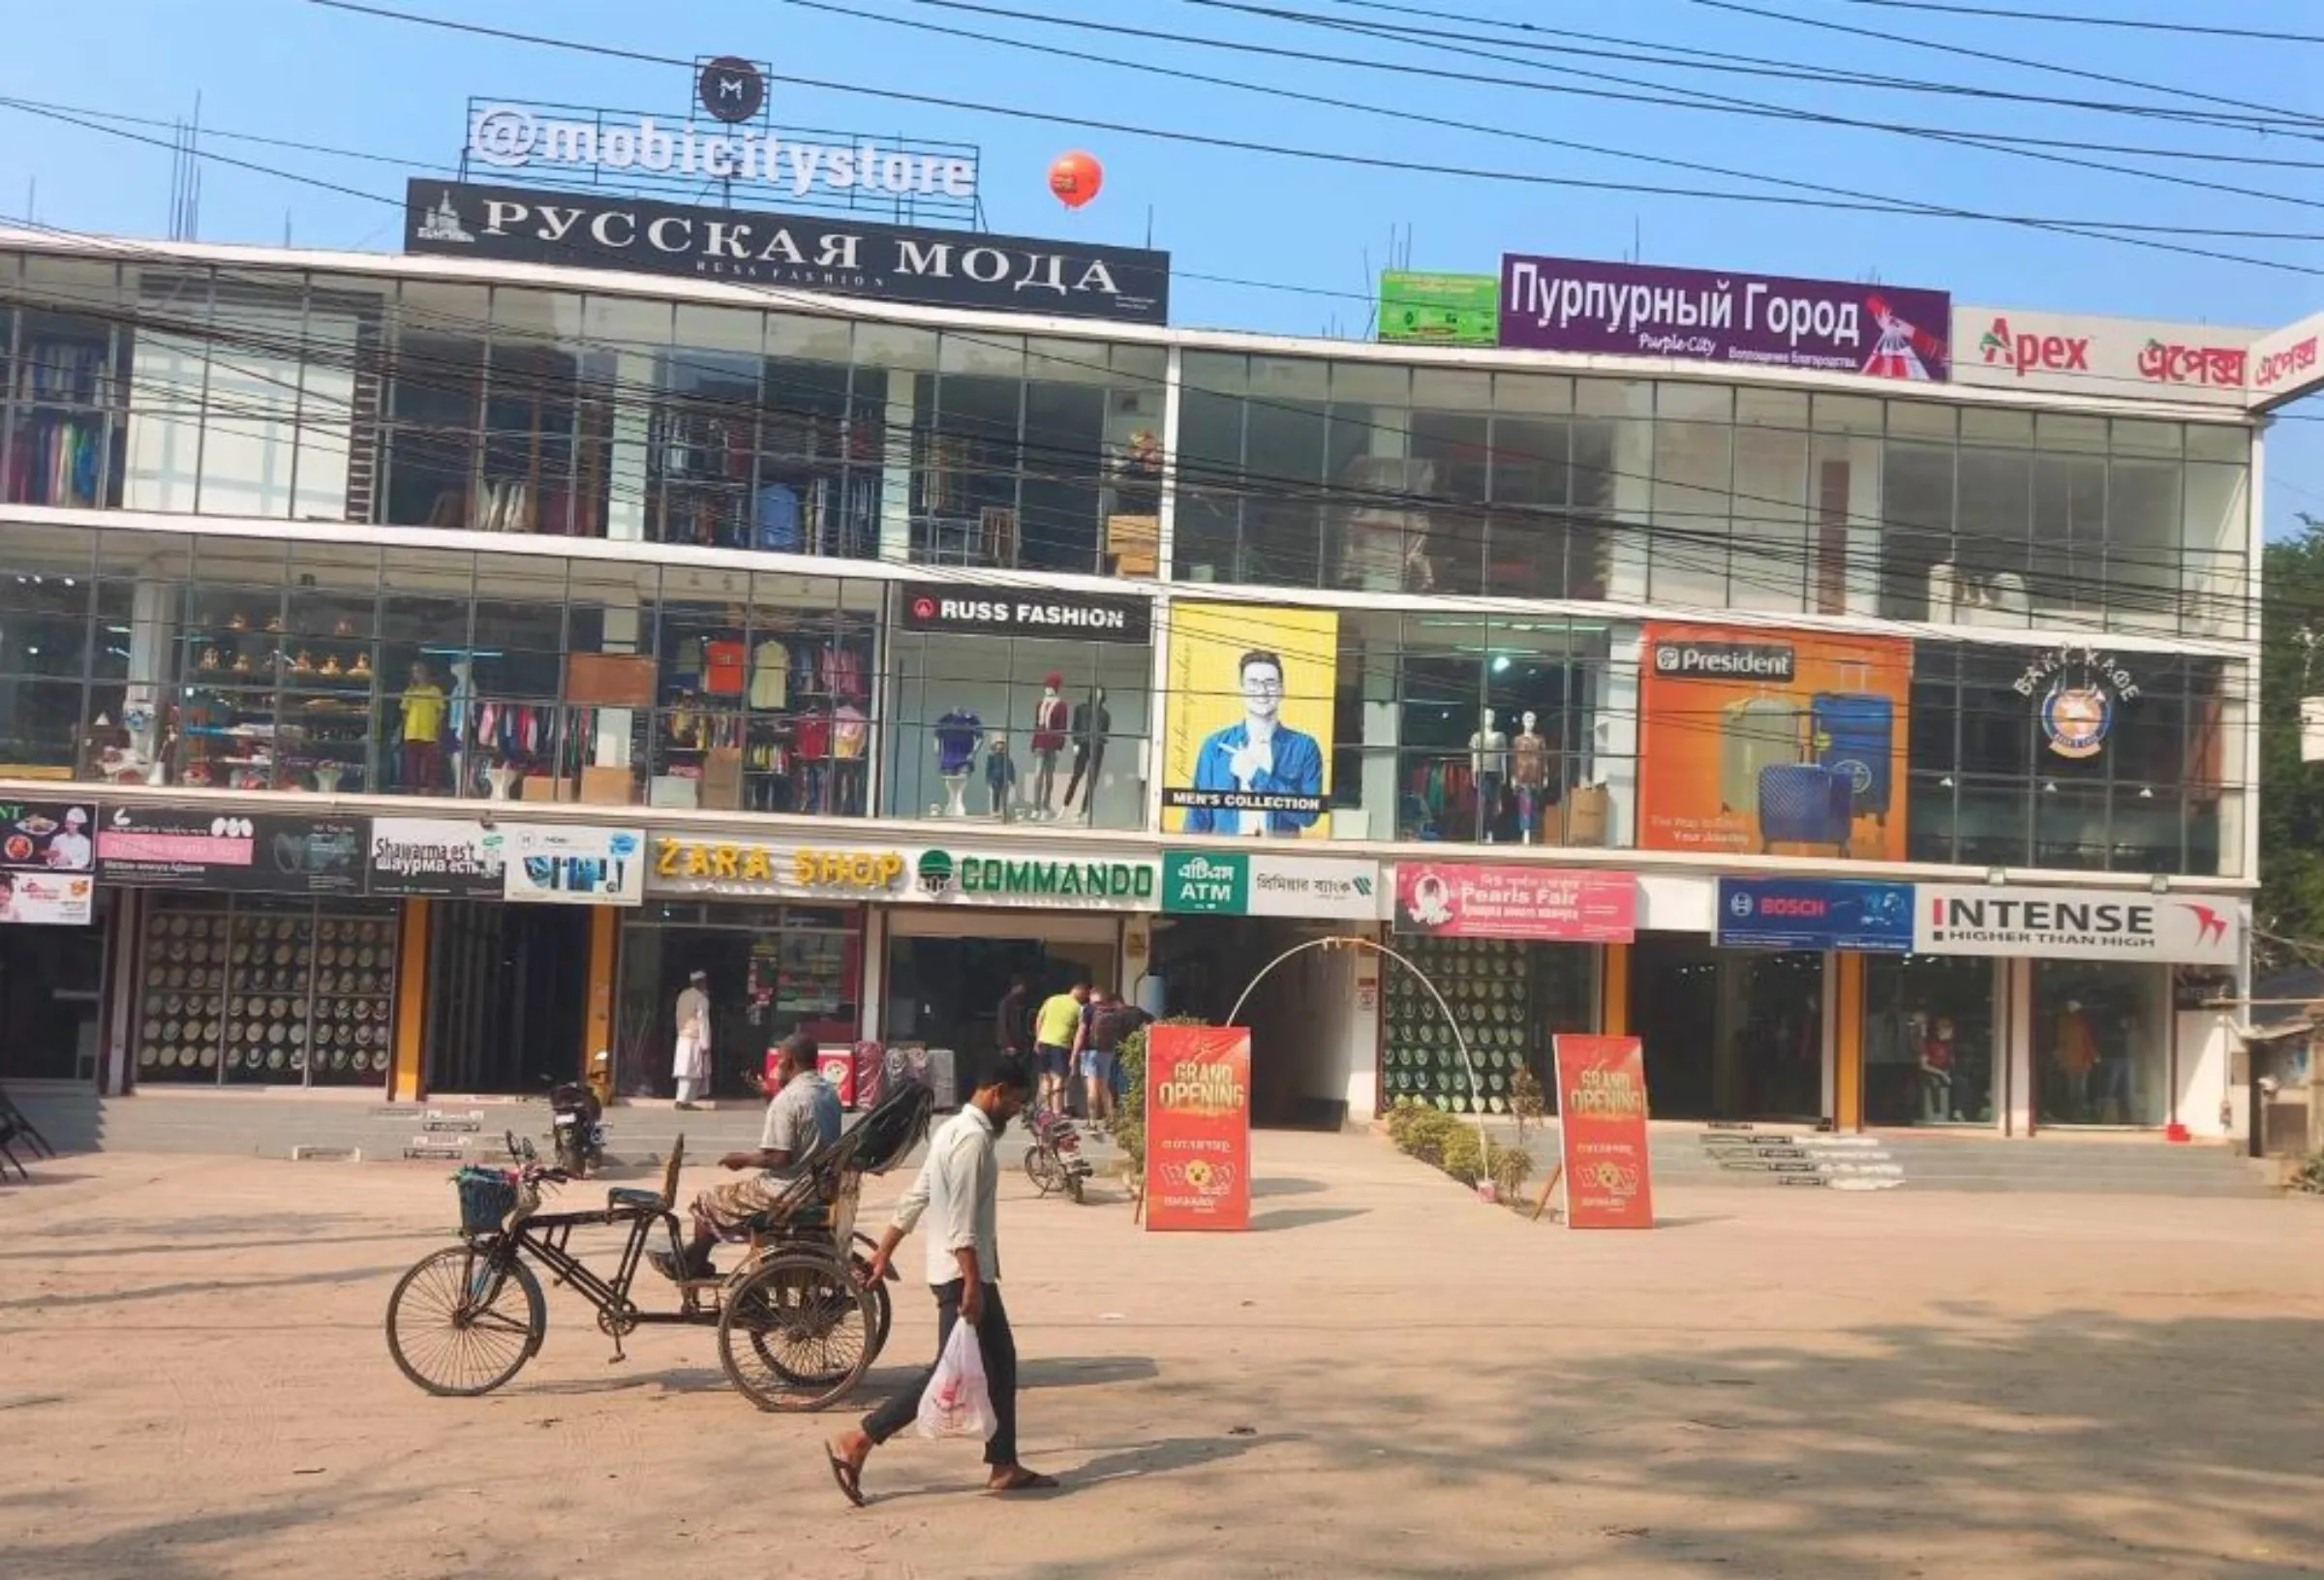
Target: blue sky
293, 70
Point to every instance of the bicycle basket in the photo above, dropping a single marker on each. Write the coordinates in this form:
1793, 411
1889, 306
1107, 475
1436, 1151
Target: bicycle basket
487, 1196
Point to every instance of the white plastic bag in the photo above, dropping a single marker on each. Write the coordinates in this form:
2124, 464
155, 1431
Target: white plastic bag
958, 1403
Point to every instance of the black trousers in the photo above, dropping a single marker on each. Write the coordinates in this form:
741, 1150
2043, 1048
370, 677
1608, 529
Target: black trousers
998, 1347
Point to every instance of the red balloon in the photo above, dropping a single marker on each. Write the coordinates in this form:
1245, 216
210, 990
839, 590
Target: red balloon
1075, 178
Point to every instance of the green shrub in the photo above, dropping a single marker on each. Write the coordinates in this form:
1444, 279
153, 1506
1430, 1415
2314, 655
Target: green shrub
1509, 1168
1427, 1131
1461, 1155
1128, 1125
1526, 1102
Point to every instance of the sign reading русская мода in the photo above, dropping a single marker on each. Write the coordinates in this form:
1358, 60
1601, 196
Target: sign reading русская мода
820, 252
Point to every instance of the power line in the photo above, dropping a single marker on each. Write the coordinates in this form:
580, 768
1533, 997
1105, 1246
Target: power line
2136, 234
1993, 57
1727, 64
1717, 104
2064, 18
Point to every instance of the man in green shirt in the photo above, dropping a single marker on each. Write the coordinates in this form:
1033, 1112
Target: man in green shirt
1056, 1030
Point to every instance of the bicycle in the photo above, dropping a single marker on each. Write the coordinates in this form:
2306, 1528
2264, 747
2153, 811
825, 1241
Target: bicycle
799, 1319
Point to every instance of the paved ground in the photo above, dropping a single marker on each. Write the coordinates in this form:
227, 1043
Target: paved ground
1389, 1379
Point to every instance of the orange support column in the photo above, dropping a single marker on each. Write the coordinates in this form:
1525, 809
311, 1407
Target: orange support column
1848, 1042
1614, 1006
604, 932
411, 1004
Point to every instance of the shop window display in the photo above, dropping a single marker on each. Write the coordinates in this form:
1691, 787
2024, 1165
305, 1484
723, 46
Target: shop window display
768, 971
1929, 1042
1511, 998
2101, 1034
266, 993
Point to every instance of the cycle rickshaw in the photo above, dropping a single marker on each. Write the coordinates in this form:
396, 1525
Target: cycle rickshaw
798, 1322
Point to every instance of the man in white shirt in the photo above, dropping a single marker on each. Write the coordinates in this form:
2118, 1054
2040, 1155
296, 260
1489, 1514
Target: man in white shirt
956, 1191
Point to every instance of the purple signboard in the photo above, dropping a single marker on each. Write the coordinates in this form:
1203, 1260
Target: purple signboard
1564, 304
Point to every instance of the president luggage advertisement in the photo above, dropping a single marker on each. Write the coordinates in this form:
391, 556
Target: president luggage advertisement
1767, 741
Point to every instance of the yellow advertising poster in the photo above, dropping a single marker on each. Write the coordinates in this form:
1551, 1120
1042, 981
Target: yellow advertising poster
1247, 744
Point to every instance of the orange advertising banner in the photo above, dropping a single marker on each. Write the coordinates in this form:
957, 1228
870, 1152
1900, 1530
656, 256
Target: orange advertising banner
1753, 741
1602, 1132
1197, 1127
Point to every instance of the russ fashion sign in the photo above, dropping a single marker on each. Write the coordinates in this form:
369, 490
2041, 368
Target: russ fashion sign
825, 253
1079, 617
2077, 923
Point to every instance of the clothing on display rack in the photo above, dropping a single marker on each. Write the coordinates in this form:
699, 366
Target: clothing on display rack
770, 675
957, 733
850, 732
54, 459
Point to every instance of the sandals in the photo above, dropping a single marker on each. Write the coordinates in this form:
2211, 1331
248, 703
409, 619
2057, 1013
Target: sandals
850, 1477
1025, 1480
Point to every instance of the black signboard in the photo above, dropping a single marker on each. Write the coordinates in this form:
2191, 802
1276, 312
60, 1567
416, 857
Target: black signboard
999, 611
821, 253
265, 854
45, 836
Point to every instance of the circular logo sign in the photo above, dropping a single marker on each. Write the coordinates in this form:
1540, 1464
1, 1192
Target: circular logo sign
924, 608
935, 872
1740, 904
731, 89
2076, 719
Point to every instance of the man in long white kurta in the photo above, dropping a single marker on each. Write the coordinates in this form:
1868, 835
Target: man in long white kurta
691, 1063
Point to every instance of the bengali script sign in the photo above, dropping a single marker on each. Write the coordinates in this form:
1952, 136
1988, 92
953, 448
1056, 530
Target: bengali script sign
1459, 900
1602, 1132
1197, 1127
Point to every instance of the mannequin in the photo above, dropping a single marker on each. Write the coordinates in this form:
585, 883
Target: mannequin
957, 733
1529, 772
1001, 775
499, 775
1489, 764
422, 755
464, 692
1091, 725
1937, 1066
2076, 1052
1048, 739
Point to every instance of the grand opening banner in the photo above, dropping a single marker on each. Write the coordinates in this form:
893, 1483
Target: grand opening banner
1602, 1132
1197, 1127
1566, 304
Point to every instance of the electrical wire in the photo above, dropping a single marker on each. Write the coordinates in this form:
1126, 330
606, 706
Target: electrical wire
2180, 29
2134, 233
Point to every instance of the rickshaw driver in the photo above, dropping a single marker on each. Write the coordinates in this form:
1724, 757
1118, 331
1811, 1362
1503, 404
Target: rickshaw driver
803, 1118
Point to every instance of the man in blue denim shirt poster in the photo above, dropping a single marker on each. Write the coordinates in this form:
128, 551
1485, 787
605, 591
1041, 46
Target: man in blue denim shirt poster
1258, 756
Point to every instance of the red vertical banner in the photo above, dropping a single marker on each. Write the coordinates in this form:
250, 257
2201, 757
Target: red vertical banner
1602, 1132
1197, 1127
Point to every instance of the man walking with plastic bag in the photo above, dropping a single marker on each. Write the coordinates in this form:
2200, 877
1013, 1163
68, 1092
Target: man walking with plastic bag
956, 1191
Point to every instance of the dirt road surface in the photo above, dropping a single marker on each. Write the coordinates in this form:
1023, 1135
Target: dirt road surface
1387, 1379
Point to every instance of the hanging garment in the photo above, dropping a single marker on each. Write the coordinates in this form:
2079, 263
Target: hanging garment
770, 675
850, 731
957, 733
723, 668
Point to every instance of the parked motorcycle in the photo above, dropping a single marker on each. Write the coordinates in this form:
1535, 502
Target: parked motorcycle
577, 1128
1054, 1161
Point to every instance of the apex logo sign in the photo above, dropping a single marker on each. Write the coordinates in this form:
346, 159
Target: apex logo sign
2022, 354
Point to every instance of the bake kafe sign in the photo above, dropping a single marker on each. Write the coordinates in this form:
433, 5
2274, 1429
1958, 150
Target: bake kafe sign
2194, 364
821, 253
2077, 923
2075, 691
1080, 617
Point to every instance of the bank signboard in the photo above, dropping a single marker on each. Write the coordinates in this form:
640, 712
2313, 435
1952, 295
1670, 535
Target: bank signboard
836, 253
2194, 364
2077, 923
1240, 883
1566, 304
1814, 913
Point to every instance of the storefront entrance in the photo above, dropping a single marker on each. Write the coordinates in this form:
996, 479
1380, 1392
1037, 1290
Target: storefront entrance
1304, 1018
48, 1000
947, 991
770, 970
1729, 1034
508, 997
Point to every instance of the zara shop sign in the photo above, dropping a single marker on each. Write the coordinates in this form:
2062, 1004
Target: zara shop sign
825, 253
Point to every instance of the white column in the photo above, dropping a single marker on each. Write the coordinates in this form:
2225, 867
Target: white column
1633, 509
1167, 532
871, 979
1613, 742
1160, 705
1383, 725
896, 473
612, 748
2017, 1007
626, 459
1828, 1001
1362, 1042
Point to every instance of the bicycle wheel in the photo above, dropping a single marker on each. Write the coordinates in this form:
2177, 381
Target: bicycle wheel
462, 1322
795, 1333
1042, 1168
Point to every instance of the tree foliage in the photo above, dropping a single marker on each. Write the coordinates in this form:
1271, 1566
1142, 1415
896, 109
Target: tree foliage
2291, 793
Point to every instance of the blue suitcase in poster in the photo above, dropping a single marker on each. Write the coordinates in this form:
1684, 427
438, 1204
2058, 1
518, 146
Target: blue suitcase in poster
1805, 803
1855, 733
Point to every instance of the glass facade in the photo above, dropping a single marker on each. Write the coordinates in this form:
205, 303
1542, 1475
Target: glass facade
770, 970
1932, 1039
2101, 1040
